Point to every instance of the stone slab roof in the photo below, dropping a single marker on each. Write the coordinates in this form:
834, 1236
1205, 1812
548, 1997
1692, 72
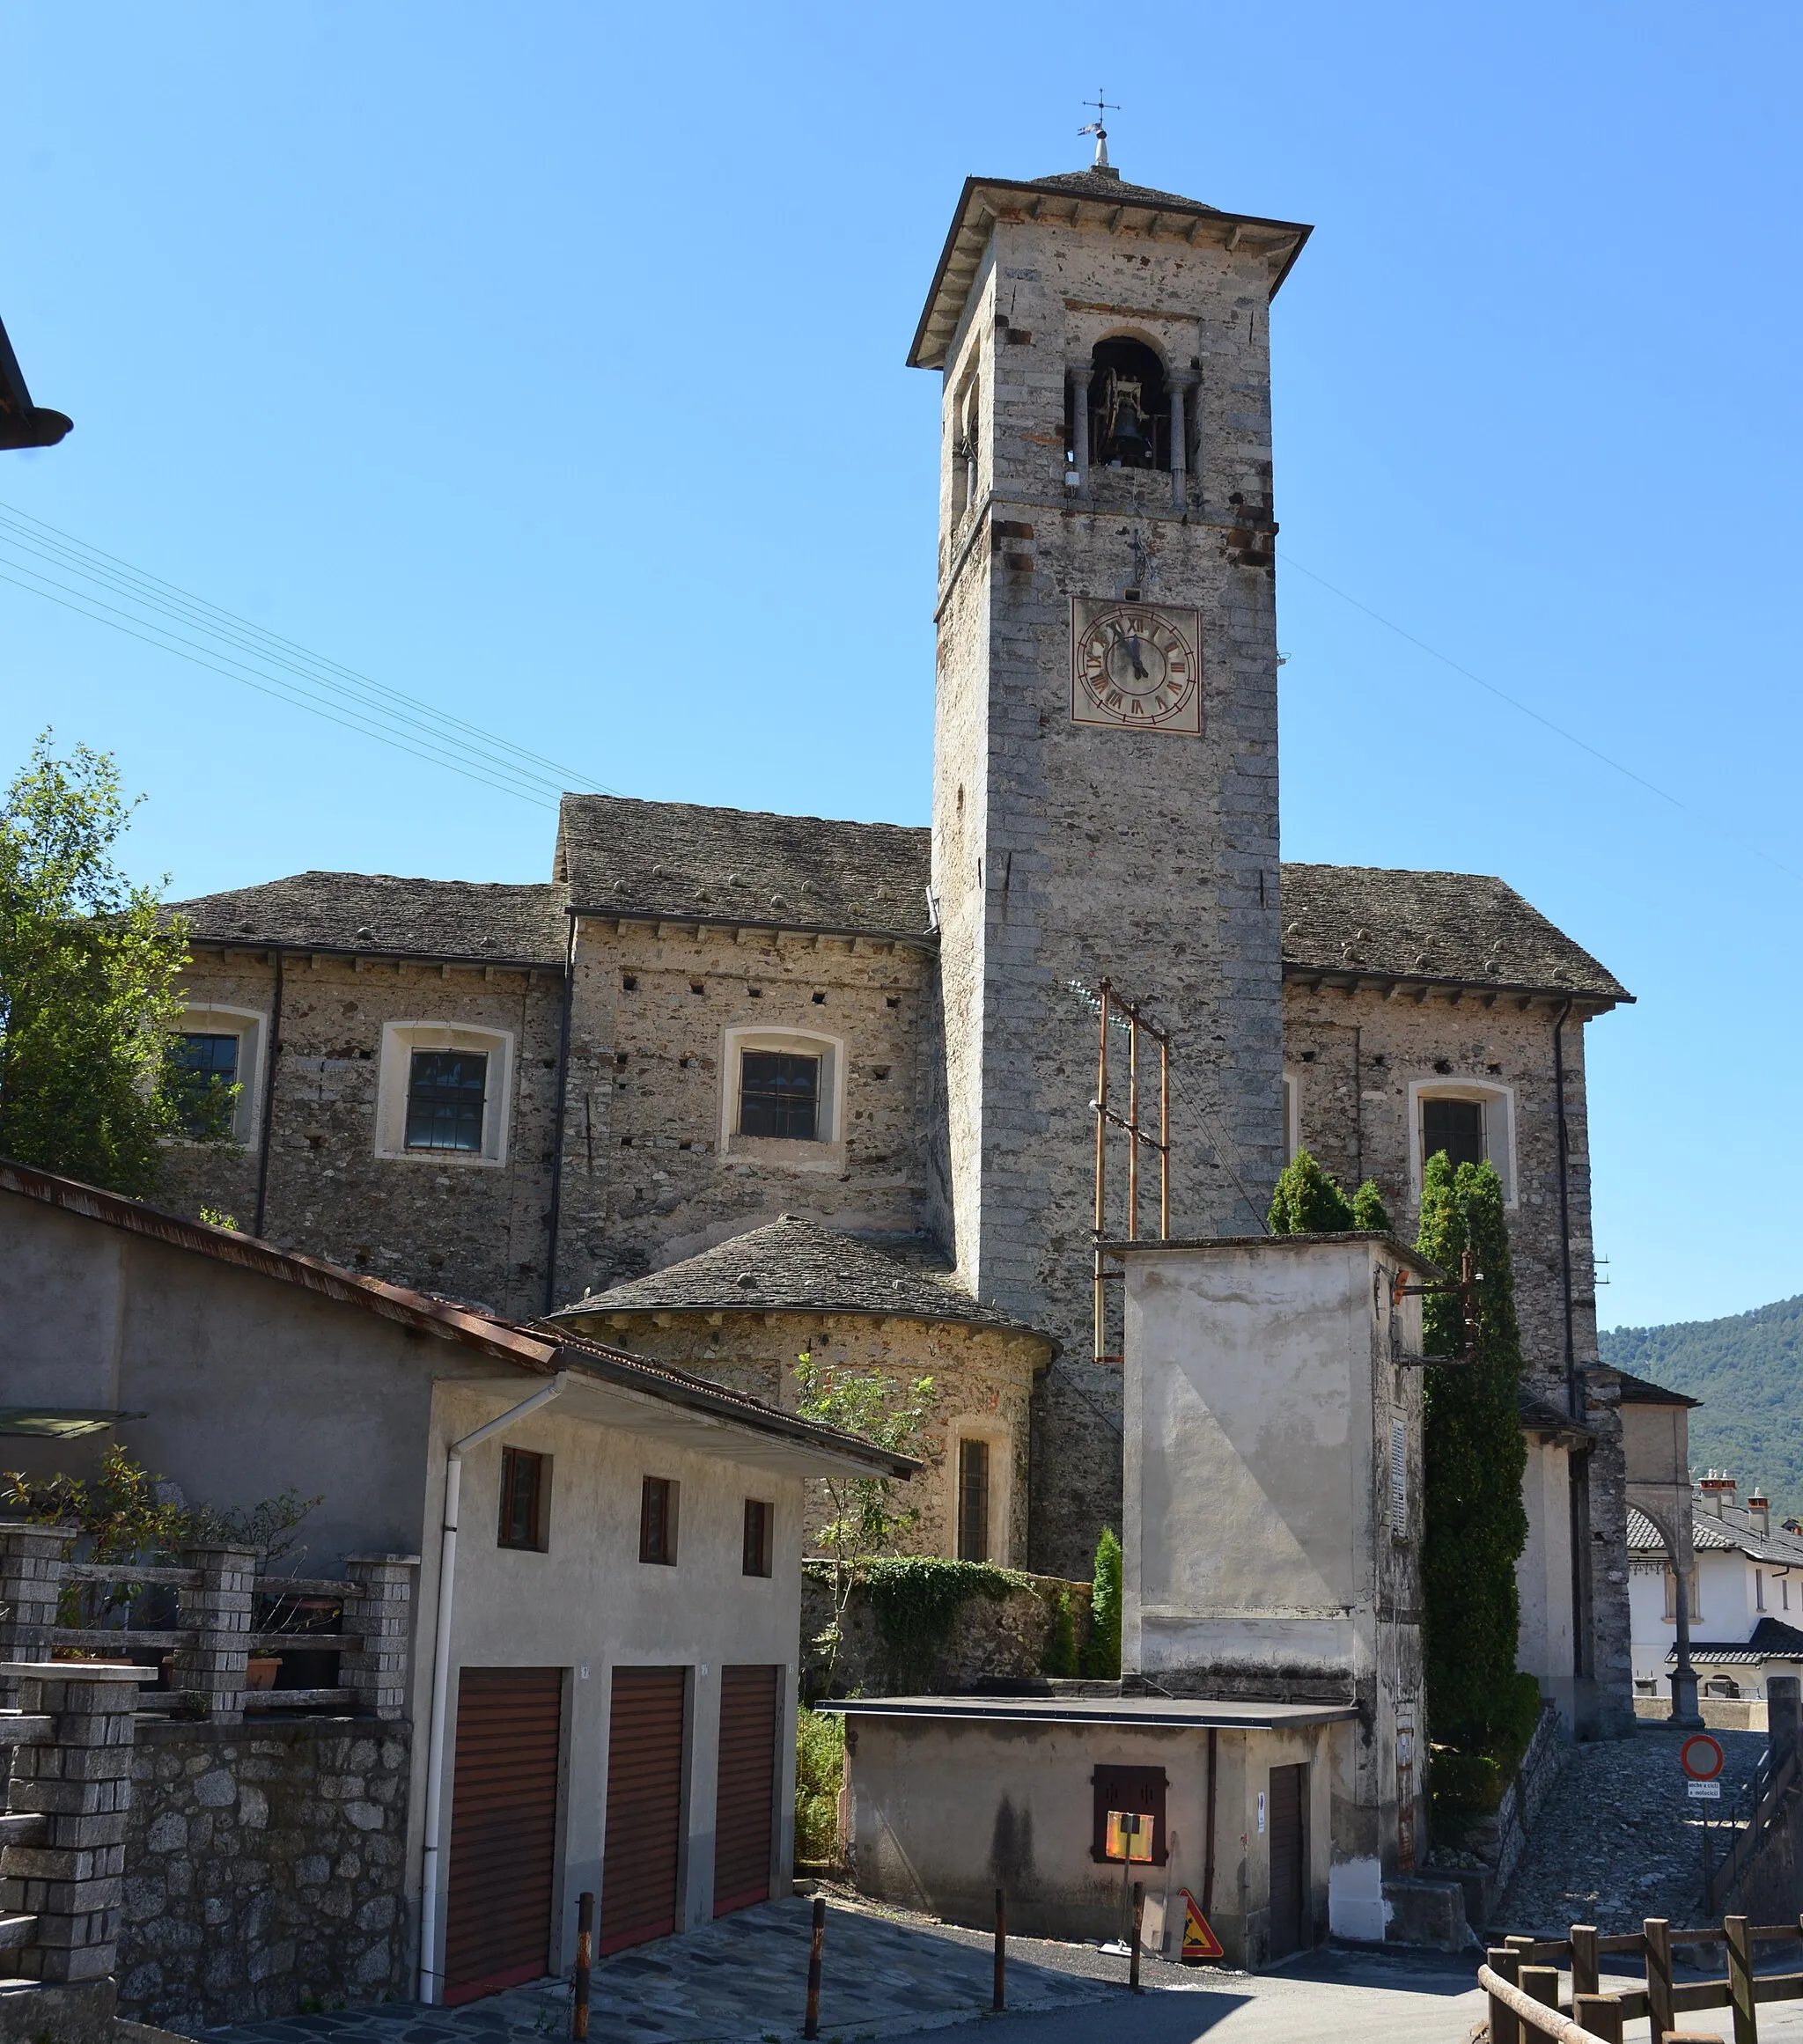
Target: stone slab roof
791, 1266
1110, 184
378, 913
1772, 1640
622, 857
1540, 1415
1643, 1391
1374, 923
1734, 1528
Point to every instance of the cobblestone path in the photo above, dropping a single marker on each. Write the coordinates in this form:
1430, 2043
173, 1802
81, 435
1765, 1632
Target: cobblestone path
1619, 1839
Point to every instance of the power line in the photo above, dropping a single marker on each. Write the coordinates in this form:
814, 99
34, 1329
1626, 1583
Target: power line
219, 640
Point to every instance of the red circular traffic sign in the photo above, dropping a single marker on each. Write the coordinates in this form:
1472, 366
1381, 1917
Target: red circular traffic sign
1700, 1757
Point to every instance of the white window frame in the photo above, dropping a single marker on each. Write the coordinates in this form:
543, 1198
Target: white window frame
1499, 1104
1293, 1112
400, 1040
1000, 1441
251, 1027
825, 1151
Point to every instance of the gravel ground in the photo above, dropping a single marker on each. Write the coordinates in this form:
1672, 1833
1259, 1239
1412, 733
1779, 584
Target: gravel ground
1619, 1839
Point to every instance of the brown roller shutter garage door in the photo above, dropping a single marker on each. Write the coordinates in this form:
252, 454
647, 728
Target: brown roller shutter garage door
503, 1829
745, 1811
642, 1856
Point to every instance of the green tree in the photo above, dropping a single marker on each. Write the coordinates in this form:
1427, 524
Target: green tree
866, 1519
89, 1084
1059, 1657
1306, 1202
1369, 1210
1102, 1650
1475, 1524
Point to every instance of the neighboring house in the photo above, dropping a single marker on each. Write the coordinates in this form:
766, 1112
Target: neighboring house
1746, 1595
602, 1693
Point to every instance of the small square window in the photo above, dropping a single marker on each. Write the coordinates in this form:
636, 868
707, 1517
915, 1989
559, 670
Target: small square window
526, 1498
203, 1072
445, 1090
779, 1095
972, 1501
657, 1521
1456, 1127
759, 1523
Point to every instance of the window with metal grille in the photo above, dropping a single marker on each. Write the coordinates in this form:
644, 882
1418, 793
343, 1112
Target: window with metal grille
1399, 1478
525, 1497
972, 1501
1456, 1127
203, 1070
779, 1095
760, 1520
445, 1094
657, 1521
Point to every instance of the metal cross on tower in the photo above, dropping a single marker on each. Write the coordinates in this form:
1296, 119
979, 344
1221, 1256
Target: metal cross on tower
1103, 108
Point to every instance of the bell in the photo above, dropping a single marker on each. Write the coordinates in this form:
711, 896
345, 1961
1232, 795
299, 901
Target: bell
1129, 437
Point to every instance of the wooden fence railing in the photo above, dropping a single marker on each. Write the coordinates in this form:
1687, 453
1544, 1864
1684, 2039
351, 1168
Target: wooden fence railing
209, 1616
1522, 1979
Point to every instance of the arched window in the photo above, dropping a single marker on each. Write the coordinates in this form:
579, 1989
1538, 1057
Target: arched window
1129, 408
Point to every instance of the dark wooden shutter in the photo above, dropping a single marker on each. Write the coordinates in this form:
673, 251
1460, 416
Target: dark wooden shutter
1288, 1861
642, 1855
503, 1829
745, 1810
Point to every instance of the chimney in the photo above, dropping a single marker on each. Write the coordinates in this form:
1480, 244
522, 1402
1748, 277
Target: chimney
1717, 1489
1759, 1506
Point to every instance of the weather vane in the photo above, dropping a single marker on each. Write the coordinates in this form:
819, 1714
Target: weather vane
1103, 107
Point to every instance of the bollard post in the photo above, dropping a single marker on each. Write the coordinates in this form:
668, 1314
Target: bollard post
1504, 2024
1000, 2000
585, 1961
812, 2027
1600, 2014
1540, 1983
1138, 1917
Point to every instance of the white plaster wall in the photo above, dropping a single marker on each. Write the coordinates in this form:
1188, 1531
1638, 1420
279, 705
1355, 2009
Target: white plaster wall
1544, 1577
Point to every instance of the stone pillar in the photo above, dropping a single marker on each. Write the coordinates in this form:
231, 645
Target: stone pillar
74, 1774
377, 1604
220, 1611
1180, 451
1684, 1711
1784, 1715
1078, 380
31, 1576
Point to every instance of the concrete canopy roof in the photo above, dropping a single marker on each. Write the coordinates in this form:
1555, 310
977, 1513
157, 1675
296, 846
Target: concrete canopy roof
611, 1376
1082, 198
793, 1266
1232, 1714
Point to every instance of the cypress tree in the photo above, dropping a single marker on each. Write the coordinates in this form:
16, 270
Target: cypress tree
1474, 1523
1102, 1652
1369, 1210
1306, 1202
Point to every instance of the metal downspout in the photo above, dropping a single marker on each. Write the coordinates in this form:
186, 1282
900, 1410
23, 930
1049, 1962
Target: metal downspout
429, 1885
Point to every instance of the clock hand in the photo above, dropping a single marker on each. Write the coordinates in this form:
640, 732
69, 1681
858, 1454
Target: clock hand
1132, 646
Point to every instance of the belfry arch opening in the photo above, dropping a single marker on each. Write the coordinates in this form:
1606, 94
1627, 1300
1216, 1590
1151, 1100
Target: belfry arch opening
1130, 407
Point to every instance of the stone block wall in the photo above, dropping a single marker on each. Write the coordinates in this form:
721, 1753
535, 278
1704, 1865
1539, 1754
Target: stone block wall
263, 1871
990, 1638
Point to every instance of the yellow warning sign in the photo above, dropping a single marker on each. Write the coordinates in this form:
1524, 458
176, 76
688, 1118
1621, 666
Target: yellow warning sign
1129, 1835
1199, 1941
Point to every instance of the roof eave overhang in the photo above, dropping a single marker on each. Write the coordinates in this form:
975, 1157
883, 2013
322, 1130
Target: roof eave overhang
977, 211
295, 947
1370, 979
1152, 1245
687, 919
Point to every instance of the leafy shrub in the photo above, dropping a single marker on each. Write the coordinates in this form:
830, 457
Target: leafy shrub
1101, 1652
819, 1771
916, 1599
1060, 1655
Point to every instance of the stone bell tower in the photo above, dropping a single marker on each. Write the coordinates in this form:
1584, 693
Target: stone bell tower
1104, 798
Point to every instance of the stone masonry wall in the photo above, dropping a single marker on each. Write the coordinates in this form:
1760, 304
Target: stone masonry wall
983, 1378
989, 1638
263, 1871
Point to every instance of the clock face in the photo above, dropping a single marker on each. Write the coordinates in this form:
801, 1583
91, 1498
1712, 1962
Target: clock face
1137, 665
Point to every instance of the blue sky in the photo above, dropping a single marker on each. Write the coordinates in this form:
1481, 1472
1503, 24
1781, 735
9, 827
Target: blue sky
545, 363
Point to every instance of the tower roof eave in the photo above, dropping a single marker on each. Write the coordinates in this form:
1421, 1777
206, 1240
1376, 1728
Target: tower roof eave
1080, 198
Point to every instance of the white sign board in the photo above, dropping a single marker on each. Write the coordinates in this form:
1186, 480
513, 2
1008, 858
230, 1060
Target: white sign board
1705, 1791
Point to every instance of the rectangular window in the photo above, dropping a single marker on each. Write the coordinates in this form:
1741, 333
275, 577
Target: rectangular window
760, 1522
526, 1498
1759, 1589
972, 1501
779, 1095
1456, 1127
204, 1070
657, 1521
444, 1093
1124, 1792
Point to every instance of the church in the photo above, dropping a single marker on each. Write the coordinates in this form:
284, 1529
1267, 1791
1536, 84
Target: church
727, 1086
